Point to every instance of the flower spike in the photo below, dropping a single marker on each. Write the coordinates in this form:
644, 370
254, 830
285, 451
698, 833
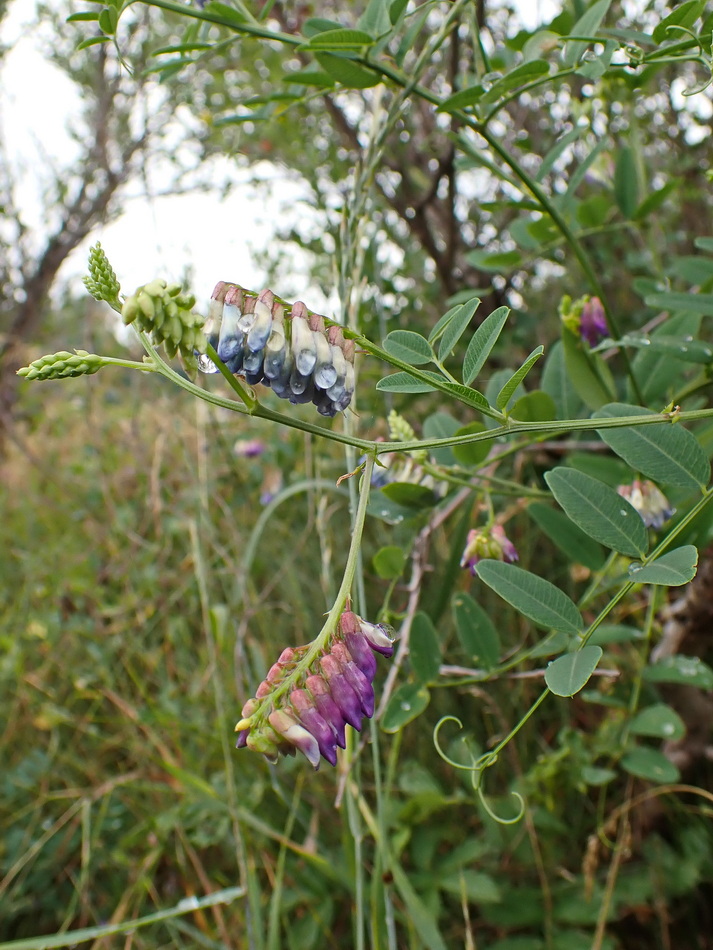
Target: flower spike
306, 701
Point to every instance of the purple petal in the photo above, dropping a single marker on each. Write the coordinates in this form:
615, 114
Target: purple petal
303, 706
327, 708
288, 727
242, 739
342, 691
360, 683
361, 653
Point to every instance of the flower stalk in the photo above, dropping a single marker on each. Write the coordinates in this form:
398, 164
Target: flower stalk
313, 691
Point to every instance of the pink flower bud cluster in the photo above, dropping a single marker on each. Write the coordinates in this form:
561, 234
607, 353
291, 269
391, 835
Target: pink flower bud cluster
487, 543
335, 691
286, 348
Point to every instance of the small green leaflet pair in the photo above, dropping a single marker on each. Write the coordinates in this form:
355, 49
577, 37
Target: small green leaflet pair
415, 350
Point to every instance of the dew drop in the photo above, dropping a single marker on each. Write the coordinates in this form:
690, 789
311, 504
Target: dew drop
406, 707
668, 729
205, 364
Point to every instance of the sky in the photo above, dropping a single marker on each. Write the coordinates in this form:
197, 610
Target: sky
153, 237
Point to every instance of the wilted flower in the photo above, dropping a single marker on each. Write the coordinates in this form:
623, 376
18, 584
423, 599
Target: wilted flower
285, 347
486, 542
333, 691
649, 501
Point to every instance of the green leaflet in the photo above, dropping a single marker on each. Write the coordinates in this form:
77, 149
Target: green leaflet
536, 598
566, 675
599, 511
664, 452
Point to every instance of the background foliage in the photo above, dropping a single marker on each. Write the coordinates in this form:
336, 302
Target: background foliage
153, 572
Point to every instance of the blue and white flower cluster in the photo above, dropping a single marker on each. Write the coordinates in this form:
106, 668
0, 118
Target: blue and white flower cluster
285, 347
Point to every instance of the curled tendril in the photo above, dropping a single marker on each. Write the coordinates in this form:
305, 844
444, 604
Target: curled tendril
477, 768
477, 781
694, 36
456, 765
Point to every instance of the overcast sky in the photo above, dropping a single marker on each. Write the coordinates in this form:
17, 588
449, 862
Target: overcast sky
154, 236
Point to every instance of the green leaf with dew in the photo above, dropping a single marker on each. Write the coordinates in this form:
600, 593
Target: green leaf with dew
599, 511
686, 670
672, 569
586, 25
566, 675
406, 704
658, 721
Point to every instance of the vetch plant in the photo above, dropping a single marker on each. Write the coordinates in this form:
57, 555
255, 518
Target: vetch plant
511, 537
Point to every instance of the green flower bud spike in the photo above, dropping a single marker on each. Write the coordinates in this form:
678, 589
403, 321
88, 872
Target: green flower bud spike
62, 365
101, 281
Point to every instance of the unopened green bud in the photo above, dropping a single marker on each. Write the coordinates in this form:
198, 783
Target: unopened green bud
62, 365
165, 312
401, 431
101, 281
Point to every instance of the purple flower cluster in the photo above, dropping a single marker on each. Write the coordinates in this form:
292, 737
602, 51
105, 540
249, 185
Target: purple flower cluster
336, 690
487, 543
288, 349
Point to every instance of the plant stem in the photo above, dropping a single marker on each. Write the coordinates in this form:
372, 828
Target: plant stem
327, 631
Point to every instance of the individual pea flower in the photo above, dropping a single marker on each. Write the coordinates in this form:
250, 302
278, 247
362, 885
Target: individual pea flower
649, 501
585, 317
489, 542
315, 701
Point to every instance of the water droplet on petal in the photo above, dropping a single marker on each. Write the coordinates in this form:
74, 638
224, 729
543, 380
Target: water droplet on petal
205, 364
